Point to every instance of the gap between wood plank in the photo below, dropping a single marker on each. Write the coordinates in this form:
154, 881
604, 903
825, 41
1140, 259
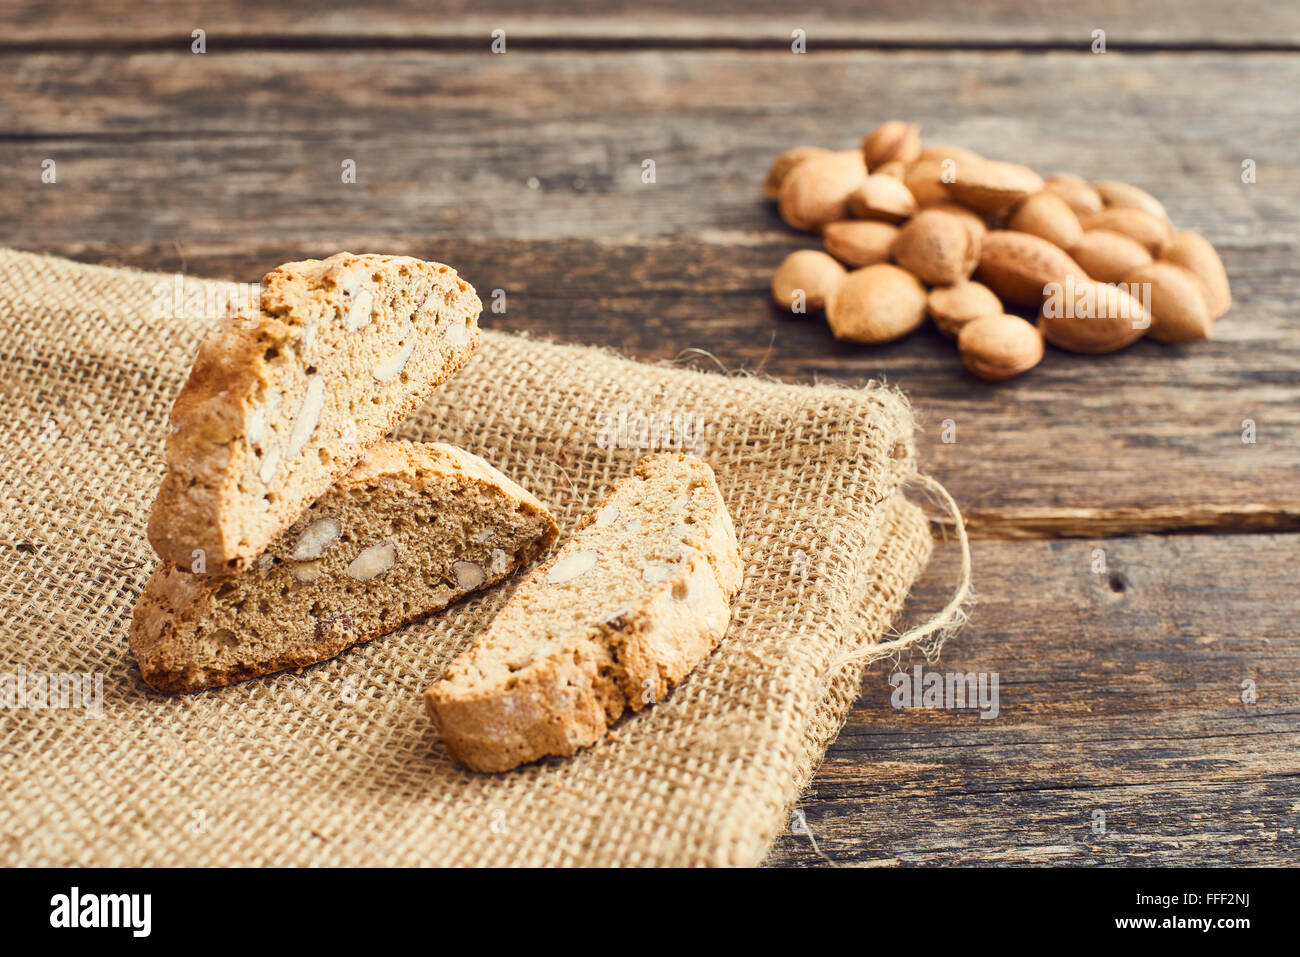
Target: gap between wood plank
1016, 524
290, 43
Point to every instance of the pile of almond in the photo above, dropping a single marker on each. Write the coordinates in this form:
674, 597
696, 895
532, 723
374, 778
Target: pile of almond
941, 231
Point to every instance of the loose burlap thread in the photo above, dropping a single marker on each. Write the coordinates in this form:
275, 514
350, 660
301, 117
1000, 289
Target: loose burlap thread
337, 764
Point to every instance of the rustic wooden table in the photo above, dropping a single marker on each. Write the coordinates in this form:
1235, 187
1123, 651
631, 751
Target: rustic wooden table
1123, 736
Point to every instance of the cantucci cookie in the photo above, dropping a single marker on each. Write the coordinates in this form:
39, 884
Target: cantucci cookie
291, 388
614, 620
409, 530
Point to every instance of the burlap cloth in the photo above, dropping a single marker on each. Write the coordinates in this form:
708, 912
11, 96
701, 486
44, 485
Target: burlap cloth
338, 764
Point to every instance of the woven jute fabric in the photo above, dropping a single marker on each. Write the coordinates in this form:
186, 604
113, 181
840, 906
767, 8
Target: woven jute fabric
338, 764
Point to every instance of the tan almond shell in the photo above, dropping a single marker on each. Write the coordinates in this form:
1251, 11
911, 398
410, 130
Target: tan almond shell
816, 192
1149, 230
783, 164
993, 184
1109, 256
882, 198
1177, 306
1049, 216
1081, 195
1111, 320
938, 248
811, 270
1194, 252
876, 304
1127, 195
1000, 346
938, 152
891, 141
952, 307
924, 182
1017, 266
970, 217
894, 168
859, 242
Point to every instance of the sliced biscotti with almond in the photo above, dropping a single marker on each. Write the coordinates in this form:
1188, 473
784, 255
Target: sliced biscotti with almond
289, 390
410, 529
616, 618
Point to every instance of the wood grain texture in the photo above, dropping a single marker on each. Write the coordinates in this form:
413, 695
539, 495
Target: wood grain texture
228, 165
1145, 440
1119, 692
835, 24
249, 145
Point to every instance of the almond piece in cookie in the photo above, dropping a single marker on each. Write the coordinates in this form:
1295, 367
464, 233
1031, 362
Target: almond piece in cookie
410, 529
289, 390
613, 621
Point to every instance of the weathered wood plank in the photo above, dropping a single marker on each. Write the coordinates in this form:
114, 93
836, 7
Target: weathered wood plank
1119, 692
250, 146
999, 23
1145, 440
233, 161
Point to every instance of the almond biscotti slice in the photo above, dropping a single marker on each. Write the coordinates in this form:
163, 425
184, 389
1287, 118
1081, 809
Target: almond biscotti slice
614, 620
291, 388
410, 529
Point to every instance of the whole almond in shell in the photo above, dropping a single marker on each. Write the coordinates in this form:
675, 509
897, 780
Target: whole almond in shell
893, 168
883, 198
787, 161
1047, 215
877, 304
816, 191
1126, 194
859, 242
1109, 256
1151, 231
1077, 191
890, 141
1194, 253
806, 279
970, 218
1018, 266
952, 307
999, 347
937, 248
924, 179
991, 184
1174, 301
959, 155
1091, 317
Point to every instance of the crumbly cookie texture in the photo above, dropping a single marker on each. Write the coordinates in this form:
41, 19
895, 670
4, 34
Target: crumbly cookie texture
614, 620
412, 528
289, 390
